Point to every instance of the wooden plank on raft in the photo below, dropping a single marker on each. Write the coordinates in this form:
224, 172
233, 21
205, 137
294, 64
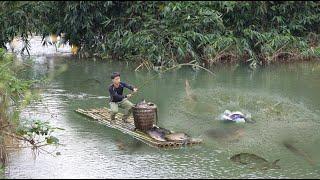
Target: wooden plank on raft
102, 115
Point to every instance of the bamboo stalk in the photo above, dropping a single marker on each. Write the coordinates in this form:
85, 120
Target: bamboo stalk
138, 67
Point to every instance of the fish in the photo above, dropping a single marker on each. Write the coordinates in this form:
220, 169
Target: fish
120, 144
257, 161
90, 82
193, 104
226, 134
162, 130
133, 146
298, 152
157, 135
190, 95
236, 116
162, 134
177, 137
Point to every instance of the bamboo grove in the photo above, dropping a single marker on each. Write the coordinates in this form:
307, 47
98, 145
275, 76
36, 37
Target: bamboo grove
168, 33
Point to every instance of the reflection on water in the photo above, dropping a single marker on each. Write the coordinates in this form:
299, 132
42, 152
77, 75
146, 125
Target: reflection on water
283, 100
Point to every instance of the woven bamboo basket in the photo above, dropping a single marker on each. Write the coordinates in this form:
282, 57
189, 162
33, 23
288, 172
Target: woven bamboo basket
144, 116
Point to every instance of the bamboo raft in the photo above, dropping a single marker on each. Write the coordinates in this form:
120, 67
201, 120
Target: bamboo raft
102, 116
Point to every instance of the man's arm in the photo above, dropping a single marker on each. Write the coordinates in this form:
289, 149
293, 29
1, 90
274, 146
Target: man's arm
127, 86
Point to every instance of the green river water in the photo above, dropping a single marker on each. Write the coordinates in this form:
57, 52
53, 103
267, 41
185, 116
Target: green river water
283, 99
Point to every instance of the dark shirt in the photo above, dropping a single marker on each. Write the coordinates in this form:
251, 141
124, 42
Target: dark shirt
116, 94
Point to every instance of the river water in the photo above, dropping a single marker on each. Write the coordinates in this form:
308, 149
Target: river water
283, 100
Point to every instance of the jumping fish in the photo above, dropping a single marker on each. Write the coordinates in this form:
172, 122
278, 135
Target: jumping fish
190, 95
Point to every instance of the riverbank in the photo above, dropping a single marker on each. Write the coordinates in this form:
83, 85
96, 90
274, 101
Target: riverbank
16, 92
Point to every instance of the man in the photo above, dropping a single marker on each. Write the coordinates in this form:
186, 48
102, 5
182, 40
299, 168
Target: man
117, 99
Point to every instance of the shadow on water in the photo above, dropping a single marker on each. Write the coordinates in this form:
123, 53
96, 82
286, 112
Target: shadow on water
131, 146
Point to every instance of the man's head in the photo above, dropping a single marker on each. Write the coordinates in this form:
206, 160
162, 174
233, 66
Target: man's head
115, 77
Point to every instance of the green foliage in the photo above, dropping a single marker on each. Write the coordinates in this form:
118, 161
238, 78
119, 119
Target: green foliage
15, 94
1, 171
17, 18
11, 86
37, 132
166, 33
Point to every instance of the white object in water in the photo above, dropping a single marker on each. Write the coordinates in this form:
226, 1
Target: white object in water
235, 116
240, 120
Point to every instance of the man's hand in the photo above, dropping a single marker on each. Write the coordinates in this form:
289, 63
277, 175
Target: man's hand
129, 95
135, 89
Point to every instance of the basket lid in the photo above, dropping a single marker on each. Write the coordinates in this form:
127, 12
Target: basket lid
145, 105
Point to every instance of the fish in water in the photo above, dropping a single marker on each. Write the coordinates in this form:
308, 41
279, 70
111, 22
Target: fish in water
90, 82
298, 152
190, 95
233, 116
120, 145
257, 161
236, 116
156, 134
133, 146
177, 137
